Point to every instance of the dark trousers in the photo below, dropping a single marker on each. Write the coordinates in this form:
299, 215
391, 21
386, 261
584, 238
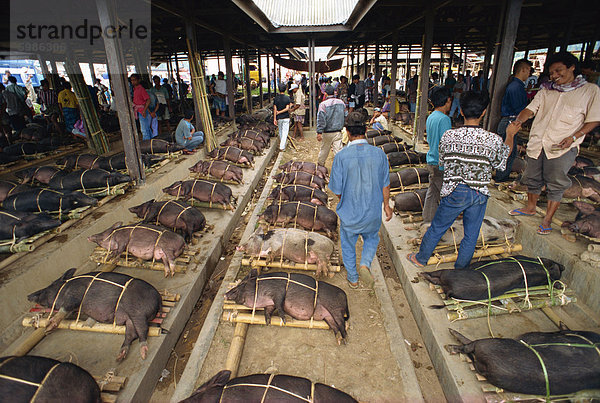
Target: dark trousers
503, 176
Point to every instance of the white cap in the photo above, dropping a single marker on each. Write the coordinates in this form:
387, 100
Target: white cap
377, 109
293, 86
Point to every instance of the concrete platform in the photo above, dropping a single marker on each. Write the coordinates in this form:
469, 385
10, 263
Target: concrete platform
458, 381
96, 352
311, 353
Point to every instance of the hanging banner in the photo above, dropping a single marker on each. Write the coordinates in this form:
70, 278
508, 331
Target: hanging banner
320, 67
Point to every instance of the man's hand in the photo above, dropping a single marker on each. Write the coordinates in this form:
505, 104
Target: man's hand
513, 128
566, 142
319, 136
388, 212
275, 122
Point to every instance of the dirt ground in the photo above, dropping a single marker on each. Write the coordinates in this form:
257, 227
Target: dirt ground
364, 367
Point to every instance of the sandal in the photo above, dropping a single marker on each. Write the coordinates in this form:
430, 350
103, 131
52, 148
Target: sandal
518, 211
412, 257
544, 231
354, 286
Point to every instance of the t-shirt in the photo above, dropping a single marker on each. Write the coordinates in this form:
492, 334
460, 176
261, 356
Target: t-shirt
468, 155
383, 121
437, 124
514, 99
459, 86
67, 99
183, 132
299, 98
359, 174
161, 94
450, 82
281, 101
140, 96
221, 87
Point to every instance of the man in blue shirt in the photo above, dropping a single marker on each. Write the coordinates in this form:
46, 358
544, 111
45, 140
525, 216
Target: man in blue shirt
513, 102
360, 178
437, 123
186, 135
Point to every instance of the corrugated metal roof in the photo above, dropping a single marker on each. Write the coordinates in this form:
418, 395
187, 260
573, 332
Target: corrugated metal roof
296, 13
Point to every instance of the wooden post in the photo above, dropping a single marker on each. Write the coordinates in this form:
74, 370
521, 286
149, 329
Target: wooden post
229, 78
394, 75
422, 92
450, 58
190, 33
260, 88
269, 76
178, 81
118, 73
366, 62
351, 63
464, 59
487, 61
567, 36
236, 348
377, 77
408, 53
504, 62
441, 64
311, 85
247, 79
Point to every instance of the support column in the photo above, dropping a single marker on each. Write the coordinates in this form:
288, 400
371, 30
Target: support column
118, 73
352, 64
441, 64
247, 79
366, 61
260, 88
422, 91
451, 58
377, 77
190, 32
407, 75
487, 61
503, 65
394, 76
269, 76
178, 89
229, 78
93, 72
464, 59
567, 37
52, 78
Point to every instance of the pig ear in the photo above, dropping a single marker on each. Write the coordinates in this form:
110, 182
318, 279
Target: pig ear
68, 274
253, 273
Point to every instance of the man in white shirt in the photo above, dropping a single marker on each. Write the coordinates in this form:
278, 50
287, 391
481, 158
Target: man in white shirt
379, 121
298, 109
219, 92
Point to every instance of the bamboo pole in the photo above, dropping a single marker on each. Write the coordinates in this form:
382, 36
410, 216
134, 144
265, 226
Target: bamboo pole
29, 343
214, 205
214, 179
478, 253
234, 356
99, 256
284, 265
97, 328
483, 311
239, 317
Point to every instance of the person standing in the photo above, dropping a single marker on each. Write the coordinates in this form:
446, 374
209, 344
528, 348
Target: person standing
467, 156
437, 124
50, 107
566, 109
141, 103
450, 81
513, 102
298, 111
281, 115
186, 135
16, 107
360, 178
69, 106
330, 121
369, 86
457, 91
411, 89
164, 104
219, 92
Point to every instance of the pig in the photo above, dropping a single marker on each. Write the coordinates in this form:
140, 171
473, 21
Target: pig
18, 225
7, 159
379, 140
8, 188
303, 166
244, 143
250, 389
87, 179
372, 132
300, 178
34, 132
78, 161
47, 200
492, 229
581, 161
201, 190
220, 170
299, 193
504, 274
410, 201
56, 141
42, 174
26, 149
138, 303
157, 146
308, 215
511, 364
232, 154
582, 186
252, 134
65, 382
395, 147
292, 244
145, 241
117, 162
406, 157
173, 214
590, 172
295, 297
519, 165
587, 221
408, 176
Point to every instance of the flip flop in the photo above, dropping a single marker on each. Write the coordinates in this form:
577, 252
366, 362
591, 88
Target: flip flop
412, 257
544, 231
517, 212
365, 275
354, 286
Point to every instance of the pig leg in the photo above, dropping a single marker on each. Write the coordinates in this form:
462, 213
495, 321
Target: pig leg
130, 336
56, 319
279, 300
268, 310
141, 328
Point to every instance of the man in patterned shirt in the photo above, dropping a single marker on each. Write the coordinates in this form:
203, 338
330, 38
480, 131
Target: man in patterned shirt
467, 155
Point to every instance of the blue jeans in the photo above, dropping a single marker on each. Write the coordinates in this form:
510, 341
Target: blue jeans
197, 139
377, 126
413, 107
455, 107
348, 243
462, 200
146, 125
503, 176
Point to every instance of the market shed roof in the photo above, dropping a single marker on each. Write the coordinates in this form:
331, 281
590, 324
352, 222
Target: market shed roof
295, 13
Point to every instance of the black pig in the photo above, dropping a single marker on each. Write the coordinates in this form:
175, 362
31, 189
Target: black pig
173, 214
308, 215
47, 200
